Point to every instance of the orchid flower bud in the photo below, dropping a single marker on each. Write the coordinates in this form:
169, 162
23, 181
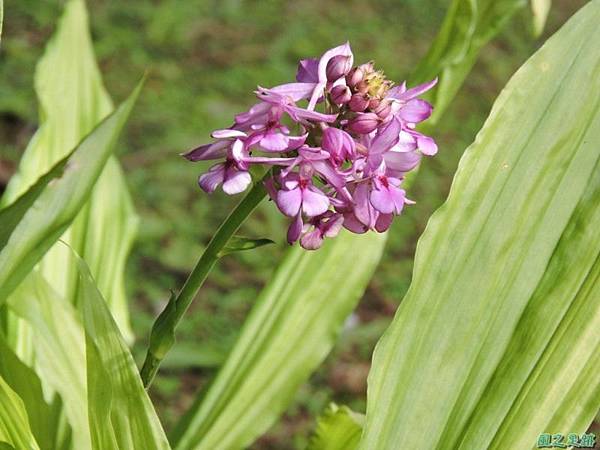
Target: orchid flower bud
340, 94
354, 77
358, 103
363, 123
374, 103
383, 110
337, 67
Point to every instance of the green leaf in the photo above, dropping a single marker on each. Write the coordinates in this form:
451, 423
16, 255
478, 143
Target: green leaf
58, 342
497, 339
469, 25
72, 102
540, 10
339, 428
26, 384
116, 395
1, 17
14, 424
290, 330
240, 243
59, 202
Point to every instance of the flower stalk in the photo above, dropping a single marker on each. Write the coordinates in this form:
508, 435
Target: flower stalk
162, 336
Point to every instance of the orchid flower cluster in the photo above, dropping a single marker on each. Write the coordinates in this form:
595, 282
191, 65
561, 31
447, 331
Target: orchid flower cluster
337, 162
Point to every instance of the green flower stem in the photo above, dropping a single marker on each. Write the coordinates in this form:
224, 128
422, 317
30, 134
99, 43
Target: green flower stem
162, 337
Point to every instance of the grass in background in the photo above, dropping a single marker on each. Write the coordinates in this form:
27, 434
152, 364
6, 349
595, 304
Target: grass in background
205, 58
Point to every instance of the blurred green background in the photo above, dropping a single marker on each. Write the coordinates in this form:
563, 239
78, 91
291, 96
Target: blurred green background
205, 58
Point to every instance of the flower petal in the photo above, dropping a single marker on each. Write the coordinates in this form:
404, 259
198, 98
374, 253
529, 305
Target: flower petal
216, 150
308, 71
274, 141
227, 133
289, 201
211, 179
236, 181
297, 91
295, 229
312, 240
415, 111
386, 137
416, 91
401, 161
382, 200
314, 202
427, 145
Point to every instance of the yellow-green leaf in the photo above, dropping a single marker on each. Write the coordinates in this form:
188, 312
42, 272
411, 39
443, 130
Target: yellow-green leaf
72, 101
497, 339
14, 424
338, 428
59, 201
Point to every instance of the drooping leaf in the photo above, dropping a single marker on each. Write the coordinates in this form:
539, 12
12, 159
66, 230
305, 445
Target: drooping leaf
116, 395
72, 102
497, 339
288, 334
540, 10
467, 28
59, 202
14, 424
338, 428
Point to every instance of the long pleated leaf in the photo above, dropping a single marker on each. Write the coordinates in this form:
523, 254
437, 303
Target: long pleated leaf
497, 339
57, 204
83, 357
72, 102
120, 412
289, 332
58, 342
14, 423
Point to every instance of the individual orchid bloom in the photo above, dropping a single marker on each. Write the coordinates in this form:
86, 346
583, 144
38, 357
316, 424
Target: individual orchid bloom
338, 144
315, 71
227, 173
299, 193
328, 224
339, 166
287, 104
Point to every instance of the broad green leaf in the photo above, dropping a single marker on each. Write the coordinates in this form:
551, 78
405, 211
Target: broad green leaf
339, 428
88, 364
241, 404
540, 10
58, 342
116, 395
43, 418
72, 102
14, 424
60, 200
497, 339
289, 332
468, 26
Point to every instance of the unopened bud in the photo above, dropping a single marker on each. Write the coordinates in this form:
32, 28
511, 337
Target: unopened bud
364, 123
383, 110
337, 67
358, 103
340, 94
354, 77
362, 87
374, 103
